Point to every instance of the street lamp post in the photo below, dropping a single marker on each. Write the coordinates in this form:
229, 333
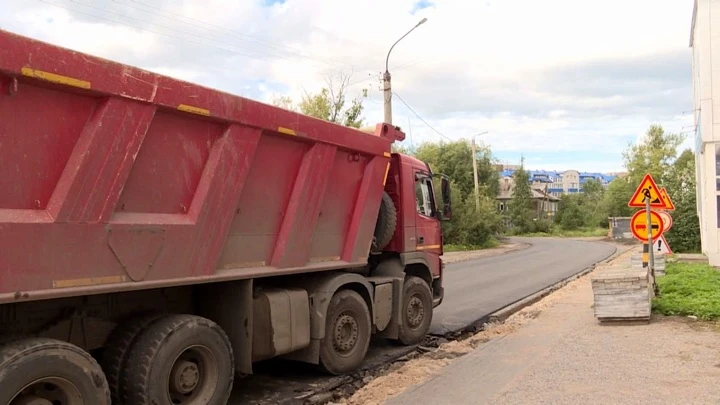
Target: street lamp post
387, 91
475, 171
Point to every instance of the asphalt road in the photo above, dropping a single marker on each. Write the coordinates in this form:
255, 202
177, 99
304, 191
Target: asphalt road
473, 289
478, 288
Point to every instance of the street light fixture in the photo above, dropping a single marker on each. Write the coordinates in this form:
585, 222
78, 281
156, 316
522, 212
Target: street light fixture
387, 92
475, 171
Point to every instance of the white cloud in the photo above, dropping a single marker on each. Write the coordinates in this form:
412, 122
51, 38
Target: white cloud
506, 66
98, 38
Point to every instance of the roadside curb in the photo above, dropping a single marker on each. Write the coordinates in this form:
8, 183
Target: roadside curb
504, 313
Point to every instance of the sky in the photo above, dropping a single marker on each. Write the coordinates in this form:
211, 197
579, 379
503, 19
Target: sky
566, 84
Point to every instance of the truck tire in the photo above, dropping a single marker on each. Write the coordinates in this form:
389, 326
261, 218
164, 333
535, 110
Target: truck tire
386, 222
41, 370
117, 349
185, 358
417, 309
347, 333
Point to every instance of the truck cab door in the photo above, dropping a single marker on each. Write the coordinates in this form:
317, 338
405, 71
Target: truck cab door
428, 235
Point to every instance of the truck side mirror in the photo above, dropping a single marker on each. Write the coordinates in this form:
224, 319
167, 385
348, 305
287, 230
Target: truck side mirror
446, 201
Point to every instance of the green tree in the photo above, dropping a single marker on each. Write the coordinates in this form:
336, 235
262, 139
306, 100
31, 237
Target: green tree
592, 201
654, 155
404, 149
521, 212
616, 198
684, 236
571, 213
469, 226
657, 154
285, 102
593, 190
455, 160
331, 103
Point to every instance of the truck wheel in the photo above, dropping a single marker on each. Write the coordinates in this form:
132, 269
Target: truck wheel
49, 371
386, 222
416, 309
117, 349
181, 359
347, 333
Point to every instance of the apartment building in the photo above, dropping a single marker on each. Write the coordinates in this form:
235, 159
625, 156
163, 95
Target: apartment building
705, 28
557, 183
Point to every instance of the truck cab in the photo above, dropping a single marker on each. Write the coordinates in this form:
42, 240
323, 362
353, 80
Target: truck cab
418, 235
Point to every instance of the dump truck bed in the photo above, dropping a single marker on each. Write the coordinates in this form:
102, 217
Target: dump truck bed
114, 178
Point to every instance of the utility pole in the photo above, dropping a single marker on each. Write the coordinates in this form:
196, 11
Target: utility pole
475, 172
387, 88
387, 95
475, 176
412, 145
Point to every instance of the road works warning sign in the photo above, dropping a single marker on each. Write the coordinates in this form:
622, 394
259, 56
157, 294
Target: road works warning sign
648, 189
669, 206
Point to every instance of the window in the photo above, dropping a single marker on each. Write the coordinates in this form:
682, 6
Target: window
424, 197
717, 164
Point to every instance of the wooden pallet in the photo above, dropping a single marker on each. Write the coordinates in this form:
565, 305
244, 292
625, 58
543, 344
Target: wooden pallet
636, 262
622, 293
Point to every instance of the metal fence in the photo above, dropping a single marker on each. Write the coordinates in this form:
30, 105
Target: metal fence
620, 228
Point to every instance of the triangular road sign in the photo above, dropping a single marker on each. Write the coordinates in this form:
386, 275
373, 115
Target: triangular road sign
661, 246
666, 198
647, 188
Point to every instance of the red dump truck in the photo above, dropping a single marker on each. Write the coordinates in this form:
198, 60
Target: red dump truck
158, 237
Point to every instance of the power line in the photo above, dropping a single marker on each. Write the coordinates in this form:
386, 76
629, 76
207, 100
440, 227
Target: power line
192, 34
207, 41
250, 38
421, 118
154, 31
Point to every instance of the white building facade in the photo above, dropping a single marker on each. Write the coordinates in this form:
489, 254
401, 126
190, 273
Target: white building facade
705, 44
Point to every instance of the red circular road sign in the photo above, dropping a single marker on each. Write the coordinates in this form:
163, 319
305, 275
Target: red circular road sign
638, 225
666, 219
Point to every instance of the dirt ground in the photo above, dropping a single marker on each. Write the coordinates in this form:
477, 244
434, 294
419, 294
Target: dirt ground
667, 361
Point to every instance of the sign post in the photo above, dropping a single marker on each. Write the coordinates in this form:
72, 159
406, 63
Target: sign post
651, 261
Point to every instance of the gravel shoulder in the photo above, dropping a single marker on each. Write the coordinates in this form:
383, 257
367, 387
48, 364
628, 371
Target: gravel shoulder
556, 352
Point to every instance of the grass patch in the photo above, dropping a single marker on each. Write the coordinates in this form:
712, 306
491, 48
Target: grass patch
574, 233
491, 243
689, 289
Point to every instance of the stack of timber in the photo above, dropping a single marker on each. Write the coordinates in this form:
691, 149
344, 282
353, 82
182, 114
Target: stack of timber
622, 293
636, 261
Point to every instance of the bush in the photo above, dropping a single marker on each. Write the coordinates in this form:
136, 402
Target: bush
570, 214
469, 227
540, 226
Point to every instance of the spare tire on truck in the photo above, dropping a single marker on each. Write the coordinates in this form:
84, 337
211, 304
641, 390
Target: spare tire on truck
386, 222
